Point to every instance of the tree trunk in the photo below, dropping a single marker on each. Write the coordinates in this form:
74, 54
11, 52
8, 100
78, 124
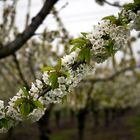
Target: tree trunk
72, 116
106, 117
114, 113
10, 134
81, 116
57, 118
95, 118
44, 126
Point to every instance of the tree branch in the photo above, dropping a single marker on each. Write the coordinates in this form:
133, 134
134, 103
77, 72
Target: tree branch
113, 4
22, 38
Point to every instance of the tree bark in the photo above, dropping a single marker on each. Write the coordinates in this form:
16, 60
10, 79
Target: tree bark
22, 38
57, 114
81, 116
44, 126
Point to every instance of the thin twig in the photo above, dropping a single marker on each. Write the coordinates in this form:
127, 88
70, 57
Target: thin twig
19, 71
115, 4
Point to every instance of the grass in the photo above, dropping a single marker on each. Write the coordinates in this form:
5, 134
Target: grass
136, 129
64, 134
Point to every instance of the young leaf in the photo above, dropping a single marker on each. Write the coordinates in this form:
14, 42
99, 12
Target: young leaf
87, 55
112, 18
137, 2
3, 123
66, 74
76, 46
129, 6
19, 101
48, 68
38, 104
54, 78
58, 67
84, 34
25, 109
109, 47
84, 54
79, 41
24, 91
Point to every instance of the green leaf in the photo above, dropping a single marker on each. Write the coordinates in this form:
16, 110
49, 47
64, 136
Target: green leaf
85, 55
53, 79
65, 74
3, 123
19, 101
79, 41
24, 91
38, 104
47, 68
58, 67
109, 47
25, 109
82, 55
84, 34
137, 2
76, 46
112, 18
129, 6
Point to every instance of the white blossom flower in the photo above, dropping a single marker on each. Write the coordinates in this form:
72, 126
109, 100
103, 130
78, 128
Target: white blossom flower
36, 114
2, 113
46, 78
62, 87
20, 93
13, 113
34, 89
1, 104
70, 59
39, 84
61, 80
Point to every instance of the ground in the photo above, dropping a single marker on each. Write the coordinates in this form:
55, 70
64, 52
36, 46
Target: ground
121, 128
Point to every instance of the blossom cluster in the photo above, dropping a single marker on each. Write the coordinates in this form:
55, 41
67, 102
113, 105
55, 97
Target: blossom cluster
107, 36
133, 18
70, 59
15, 104
66, 84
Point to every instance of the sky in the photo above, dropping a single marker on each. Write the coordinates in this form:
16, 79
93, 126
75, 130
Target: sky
78, 16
